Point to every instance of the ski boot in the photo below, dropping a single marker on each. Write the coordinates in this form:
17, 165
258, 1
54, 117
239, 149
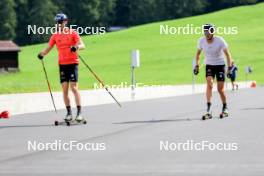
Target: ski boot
207, 116
68, 118
224, 113
79, 118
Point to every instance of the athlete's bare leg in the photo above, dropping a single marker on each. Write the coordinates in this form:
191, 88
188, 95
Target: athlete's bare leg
221, 91
75, 91
65, 91
209, 88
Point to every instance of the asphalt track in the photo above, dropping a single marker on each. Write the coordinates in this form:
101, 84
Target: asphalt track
132, 137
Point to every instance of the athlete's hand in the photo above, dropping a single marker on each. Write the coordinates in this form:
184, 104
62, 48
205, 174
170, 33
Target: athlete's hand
229, 73
40, 56
74, 48
196, 70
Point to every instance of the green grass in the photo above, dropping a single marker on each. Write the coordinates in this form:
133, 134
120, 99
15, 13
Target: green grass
165, 59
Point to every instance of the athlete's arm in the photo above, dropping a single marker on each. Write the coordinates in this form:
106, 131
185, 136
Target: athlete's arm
45, 51
228, 57
81, 45
197, 57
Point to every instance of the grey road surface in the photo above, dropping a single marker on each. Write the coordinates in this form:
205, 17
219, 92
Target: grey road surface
154, 137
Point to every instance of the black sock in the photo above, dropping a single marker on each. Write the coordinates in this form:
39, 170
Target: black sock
208, 106
224, 106
79, 110
69, 112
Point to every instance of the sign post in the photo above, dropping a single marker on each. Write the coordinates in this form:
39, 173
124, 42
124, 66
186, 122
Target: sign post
135, 63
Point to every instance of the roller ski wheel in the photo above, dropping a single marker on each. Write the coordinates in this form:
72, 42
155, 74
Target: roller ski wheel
68, 123
64, 122
223, 115
56, 123
207, 116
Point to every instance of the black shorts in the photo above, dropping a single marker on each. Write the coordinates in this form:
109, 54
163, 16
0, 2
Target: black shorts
69, 73
217, 71
233, 78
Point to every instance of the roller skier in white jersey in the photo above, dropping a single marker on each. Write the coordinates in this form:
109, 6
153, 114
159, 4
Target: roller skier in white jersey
215, 50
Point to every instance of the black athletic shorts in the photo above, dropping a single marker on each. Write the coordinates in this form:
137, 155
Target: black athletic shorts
233, 78
69, 73
217, 71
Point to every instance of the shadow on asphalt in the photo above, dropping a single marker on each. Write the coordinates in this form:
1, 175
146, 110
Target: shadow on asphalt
157, 121
259, 108
25, 126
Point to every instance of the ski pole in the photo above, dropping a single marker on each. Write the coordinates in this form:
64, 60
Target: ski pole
46, 76
98, 79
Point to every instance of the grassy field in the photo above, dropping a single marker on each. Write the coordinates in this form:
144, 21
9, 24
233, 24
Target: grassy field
165, 59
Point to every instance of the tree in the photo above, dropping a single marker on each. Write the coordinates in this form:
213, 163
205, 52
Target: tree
42, 15
61, 5
171, 9
142, 11
22, 12
7, 19
221, 4
107, 12
129, 13
83, 13
122, 12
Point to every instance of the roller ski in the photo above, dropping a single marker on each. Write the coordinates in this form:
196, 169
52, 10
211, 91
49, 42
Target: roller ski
68, 120
207, 116
224, 113
69, 123
78, 120
65, 121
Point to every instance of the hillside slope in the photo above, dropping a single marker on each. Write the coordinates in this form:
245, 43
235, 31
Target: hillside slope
165, 59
